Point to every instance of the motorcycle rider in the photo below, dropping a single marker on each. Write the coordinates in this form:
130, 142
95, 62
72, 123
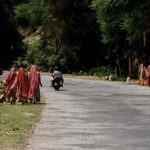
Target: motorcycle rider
57, 73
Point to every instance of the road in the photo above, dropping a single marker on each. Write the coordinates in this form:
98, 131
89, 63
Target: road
93, 115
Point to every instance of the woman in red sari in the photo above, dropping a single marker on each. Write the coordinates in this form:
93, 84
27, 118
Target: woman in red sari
22, 85
35, 83
11, 88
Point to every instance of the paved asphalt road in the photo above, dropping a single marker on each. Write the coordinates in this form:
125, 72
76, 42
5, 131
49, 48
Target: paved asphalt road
93, 115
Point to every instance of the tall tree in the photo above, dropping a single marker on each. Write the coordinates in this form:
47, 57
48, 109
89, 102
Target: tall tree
122, 23
10, 39
69, 32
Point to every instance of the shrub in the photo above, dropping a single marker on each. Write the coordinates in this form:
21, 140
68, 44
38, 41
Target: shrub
100, 71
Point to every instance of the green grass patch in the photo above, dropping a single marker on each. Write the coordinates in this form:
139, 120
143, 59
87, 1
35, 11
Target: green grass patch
89, 77
16, 123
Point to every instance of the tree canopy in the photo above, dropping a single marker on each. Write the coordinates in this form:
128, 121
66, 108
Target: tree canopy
75, 34
10, 39
122, 24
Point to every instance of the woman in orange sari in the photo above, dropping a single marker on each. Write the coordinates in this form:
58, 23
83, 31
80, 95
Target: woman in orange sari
11, 88
142, 73
35, 83
22, 85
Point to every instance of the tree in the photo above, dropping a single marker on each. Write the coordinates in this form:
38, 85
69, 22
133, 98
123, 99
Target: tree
10, 39
122, 23
68, 31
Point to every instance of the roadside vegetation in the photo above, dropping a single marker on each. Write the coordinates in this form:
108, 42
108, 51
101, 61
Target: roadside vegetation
16, 123
102, 73
79, 36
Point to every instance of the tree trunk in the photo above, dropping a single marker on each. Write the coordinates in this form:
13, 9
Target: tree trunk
129, 66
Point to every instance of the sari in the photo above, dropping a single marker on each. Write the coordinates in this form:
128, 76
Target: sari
142, 72
34, 82
22, 84
11, 88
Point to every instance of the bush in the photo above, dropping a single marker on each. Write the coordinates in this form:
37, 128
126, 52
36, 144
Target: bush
100, 71
21, 63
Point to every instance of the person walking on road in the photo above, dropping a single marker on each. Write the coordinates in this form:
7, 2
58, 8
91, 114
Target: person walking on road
34, 84
142, 74
11, 88
22, 84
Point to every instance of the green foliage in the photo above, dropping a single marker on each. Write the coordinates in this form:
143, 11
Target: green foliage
116, 15
63, 40
10, 39
122, 24
76, 35
100, 71
36, 56
21, 62
109, 17
35, 13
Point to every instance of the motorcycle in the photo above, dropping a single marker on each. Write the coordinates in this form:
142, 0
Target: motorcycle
57, 83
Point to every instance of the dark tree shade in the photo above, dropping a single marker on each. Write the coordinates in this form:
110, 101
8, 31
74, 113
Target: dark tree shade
10, 39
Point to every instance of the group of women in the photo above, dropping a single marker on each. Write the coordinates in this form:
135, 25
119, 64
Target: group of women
23, 86
144, 75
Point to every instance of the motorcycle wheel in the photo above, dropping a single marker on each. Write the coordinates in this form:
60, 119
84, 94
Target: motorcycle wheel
56, 88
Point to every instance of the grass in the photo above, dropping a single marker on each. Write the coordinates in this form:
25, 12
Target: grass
16, 123
90, 77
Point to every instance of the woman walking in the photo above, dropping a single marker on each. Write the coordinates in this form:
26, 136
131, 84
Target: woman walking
35, 83
22, 84
142, 73
11, 88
